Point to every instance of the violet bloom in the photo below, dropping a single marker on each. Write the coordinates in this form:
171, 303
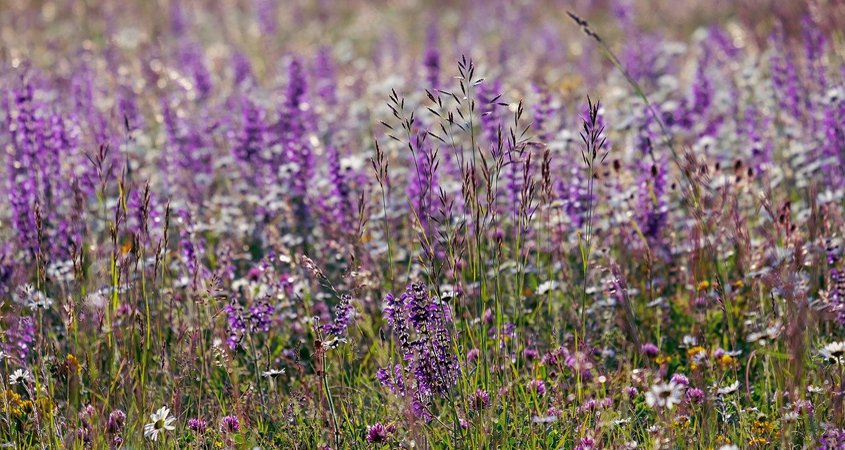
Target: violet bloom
252, 138
266, 11
392, 380
117, 419
631, 392
324, 72
589, 405
344, 314
421, 325
230, 425
378, 433
473, 355
832, 439
237, 324
242, 68
784, 76
695, 396
586, 443
480, 400
649, 349
338, 201
19, 337
197, 425
431, 59
537, 387
261, 315
836, 291
681, 379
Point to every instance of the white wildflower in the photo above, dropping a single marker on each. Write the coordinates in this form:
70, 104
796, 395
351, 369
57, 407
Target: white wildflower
664, 395
160, 422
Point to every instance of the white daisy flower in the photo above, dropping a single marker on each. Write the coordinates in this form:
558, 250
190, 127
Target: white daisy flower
664, 395
730, 389
334, 342
834, 352
272, 373
19, 376
30, 297
160, 422
547, 286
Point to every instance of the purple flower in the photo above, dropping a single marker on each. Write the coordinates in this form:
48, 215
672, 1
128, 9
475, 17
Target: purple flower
421, 410
242, 67
338, 201
431, 59
805, 406
650, 350
631, 392
252, 138
473, 355
836, 291
197, 425
538, 387
266, 11
230, 425
393, 381
261, 315
695, 396
586, 443
378, 433
115, 423
832, 439
344, 314
420, 323
325, 75
480, 400
237, 324
19, 337
681, 379
588, 406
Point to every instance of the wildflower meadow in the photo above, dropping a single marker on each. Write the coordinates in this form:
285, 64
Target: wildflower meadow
422, 224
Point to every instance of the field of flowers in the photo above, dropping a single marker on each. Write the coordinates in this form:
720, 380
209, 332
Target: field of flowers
509, 224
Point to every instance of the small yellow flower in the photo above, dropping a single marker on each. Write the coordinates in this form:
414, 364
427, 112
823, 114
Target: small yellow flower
13, 404
727, 361
704, 285
754, 442
662, 359
696, 356
761, 426
73, 364
695, 351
